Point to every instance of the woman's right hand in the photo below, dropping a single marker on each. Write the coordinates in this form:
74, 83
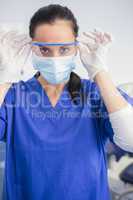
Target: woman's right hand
15, 48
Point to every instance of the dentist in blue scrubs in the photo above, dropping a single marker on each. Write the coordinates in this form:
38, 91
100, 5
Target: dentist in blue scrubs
56, 124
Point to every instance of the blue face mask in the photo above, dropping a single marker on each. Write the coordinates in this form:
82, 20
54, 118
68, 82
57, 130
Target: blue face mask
54, 69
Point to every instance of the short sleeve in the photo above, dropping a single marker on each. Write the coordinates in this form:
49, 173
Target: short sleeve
101, 113
3, 121
4, 114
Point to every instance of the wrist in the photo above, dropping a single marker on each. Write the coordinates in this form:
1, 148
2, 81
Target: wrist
100, 75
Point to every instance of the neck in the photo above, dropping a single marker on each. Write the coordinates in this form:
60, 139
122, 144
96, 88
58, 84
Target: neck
50, 88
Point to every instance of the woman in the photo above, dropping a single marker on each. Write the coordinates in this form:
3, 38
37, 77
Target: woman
55, 124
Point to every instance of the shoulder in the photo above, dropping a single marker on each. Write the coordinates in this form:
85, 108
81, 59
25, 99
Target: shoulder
16, 89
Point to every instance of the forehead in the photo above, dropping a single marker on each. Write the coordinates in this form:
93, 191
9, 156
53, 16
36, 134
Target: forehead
59, 31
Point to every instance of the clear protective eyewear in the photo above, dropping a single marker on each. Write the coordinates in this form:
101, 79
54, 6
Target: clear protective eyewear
42, 48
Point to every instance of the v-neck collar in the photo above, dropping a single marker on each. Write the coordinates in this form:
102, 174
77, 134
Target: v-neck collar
64, 94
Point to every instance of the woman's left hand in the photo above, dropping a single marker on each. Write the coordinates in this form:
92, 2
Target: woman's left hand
93, 47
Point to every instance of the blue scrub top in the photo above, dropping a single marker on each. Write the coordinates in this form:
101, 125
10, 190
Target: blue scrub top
54, 153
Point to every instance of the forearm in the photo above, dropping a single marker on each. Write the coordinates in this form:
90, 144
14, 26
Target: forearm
113, 100
120, 111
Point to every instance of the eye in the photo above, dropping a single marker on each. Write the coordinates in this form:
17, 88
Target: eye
44, 50
64, 50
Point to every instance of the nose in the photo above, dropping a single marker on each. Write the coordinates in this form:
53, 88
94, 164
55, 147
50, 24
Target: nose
55, 54
55, 51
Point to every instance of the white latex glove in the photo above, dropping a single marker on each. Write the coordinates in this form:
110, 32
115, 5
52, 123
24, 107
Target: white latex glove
15, 49
93, 47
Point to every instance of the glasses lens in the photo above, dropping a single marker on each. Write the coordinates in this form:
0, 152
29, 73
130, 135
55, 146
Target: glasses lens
46, 50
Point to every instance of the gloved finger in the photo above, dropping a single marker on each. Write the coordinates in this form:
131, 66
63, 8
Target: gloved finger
9, 35
23, 38
100, 34
15, 39
104, 37
88, 34
97, 31
20, 42
83, 48
97, 36
108, 36
106, 40
98, 39
2, 33
12, 34
16, 46
94, 33
89, 45
85, 39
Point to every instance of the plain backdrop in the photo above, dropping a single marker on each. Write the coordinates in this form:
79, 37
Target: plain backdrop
114, 16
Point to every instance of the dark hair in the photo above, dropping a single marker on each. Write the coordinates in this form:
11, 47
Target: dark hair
48, 14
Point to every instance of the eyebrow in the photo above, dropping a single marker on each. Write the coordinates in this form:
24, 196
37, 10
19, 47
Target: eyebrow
47, 47
65, 46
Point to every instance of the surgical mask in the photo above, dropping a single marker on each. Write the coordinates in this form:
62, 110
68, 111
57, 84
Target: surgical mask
54, 69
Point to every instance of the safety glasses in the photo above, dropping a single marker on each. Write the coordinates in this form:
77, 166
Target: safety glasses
44, 49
